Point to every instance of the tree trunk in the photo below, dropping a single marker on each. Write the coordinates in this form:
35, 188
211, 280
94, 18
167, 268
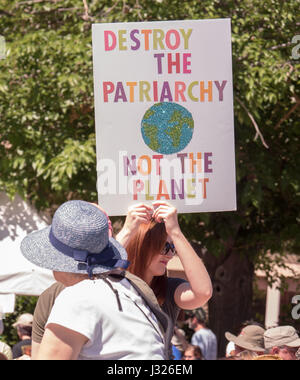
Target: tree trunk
231, 305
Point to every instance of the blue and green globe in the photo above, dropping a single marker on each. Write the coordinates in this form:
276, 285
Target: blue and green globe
167, 128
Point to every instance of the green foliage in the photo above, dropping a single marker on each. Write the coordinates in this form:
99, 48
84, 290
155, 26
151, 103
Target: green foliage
47, 120
47, 127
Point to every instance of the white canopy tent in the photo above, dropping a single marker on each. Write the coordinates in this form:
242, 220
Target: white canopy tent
17, 275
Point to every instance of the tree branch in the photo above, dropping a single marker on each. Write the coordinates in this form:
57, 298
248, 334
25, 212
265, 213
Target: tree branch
2, 11
86, 9
281, 46
138, 7
292, 110
37, 2
52, 10
111, 8
258, 132
125, 8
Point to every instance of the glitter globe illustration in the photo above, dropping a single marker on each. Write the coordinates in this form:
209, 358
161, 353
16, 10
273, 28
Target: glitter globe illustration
167, 128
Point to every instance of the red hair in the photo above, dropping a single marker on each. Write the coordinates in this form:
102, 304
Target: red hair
147, 242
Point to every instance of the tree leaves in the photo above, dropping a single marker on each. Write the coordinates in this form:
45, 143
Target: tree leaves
47, 128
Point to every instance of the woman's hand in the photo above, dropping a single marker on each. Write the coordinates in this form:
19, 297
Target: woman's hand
198, 290
165, 212
137, 214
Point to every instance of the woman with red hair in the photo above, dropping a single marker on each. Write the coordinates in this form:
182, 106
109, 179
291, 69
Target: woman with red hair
152, 236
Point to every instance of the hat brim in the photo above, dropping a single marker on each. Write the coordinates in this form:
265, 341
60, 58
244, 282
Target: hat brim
21, 324
240, 341
37, 248
294, 344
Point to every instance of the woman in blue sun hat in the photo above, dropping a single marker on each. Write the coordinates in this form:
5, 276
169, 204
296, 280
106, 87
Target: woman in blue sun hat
95, 316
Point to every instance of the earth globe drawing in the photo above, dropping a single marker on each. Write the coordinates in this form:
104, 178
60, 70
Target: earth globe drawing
167, 128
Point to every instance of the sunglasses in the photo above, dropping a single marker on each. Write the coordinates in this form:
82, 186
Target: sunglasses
169, 247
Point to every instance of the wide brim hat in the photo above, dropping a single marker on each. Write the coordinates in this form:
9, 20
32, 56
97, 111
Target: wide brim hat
251, 338
282, 336
77, 242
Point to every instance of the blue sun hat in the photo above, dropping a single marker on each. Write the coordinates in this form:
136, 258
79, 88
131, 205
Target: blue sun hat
77, 242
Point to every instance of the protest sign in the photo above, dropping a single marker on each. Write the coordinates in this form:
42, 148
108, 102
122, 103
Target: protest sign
164, 115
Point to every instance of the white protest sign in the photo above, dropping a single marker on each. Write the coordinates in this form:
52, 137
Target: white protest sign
164, 115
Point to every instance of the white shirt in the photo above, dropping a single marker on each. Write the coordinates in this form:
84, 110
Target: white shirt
229, 348
91, 309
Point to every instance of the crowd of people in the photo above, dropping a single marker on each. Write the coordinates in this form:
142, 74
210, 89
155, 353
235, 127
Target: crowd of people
252, 343
22, 349
112, 299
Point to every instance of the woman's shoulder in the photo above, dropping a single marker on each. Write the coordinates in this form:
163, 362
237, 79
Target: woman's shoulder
75, 296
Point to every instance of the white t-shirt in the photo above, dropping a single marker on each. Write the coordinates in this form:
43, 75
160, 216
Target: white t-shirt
91, 309
230, 348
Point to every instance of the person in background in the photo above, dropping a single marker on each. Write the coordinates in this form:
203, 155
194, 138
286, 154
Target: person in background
230, 348
24, 331
5, 350
192, 353
177, 355
179, 343
282, 341
247, 355
203, 336
251, 338
1, 323
266, 357
3, 357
